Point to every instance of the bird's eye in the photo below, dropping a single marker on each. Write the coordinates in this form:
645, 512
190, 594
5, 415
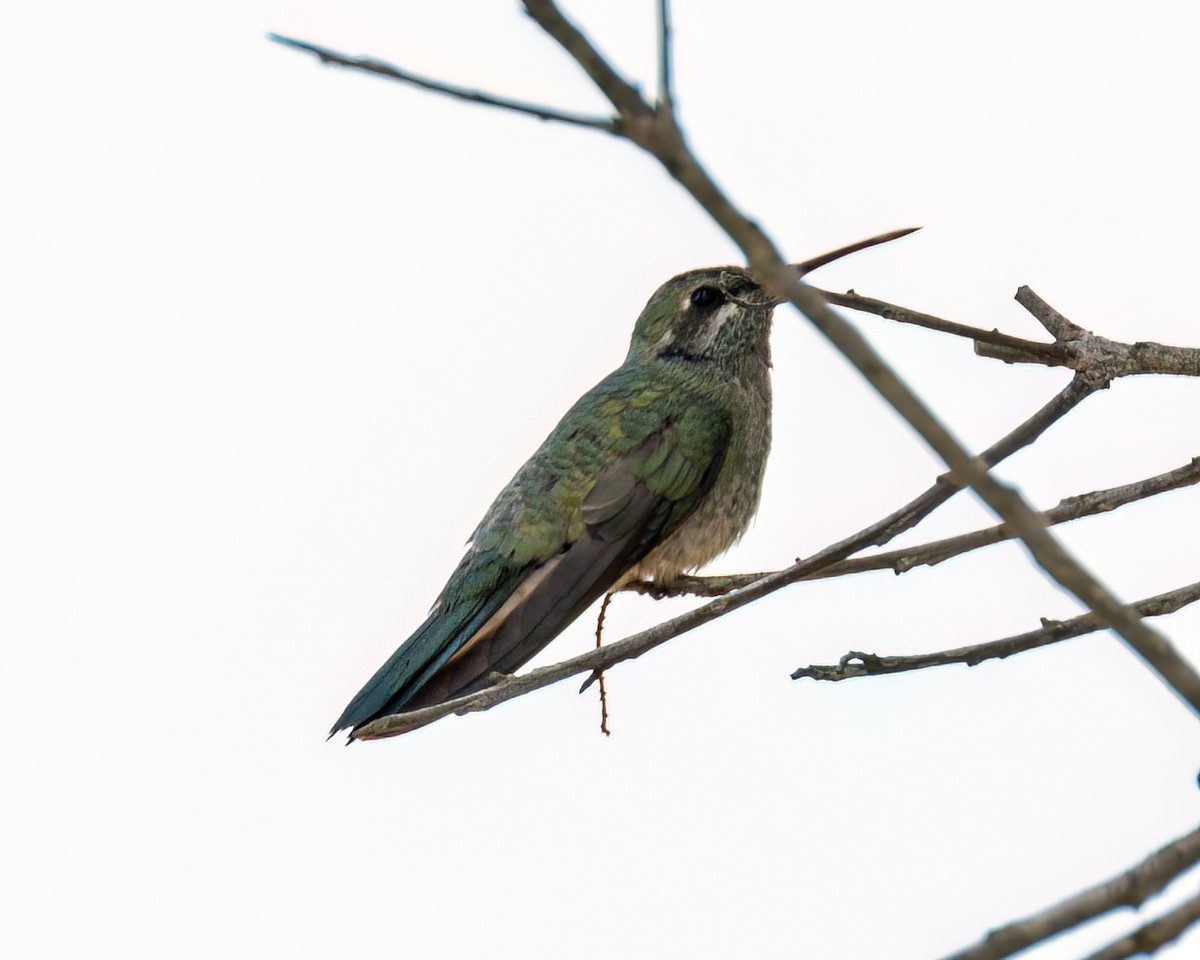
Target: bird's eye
706, 297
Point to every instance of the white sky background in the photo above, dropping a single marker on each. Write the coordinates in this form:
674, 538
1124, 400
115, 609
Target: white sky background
274, 335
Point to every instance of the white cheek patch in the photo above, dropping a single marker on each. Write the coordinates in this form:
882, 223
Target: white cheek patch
701, 340
706, 337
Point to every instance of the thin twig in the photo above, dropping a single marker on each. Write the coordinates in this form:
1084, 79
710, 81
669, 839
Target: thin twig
1050, 354
380, 68
1058, 326
856, 663
599, 637
666, 96
660, 135
622, 94
1150, 937
1130, 889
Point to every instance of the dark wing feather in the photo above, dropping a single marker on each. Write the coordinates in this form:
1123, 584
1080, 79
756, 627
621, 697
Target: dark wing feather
624, 520
429, 647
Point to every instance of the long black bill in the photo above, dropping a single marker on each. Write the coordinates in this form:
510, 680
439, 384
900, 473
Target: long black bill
807, 266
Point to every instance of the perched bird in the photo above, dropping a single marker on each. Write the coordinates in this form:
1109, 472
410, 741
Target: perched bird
654, 471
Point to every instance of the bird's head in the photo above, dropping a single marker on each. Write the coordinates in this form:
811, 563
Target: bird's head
718, 314
709, 314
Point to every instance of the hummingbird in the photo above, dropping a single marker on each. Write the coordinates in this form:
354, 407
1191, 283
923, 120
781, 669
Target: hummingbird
653, 472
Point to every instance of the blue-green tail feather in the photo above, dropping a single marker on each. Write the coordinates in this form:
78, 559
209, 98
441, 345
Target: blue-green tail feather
420, 656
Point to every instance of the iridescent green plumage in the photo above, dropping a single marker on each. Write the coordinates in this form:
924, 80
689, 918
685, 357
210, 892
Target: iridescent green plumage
654, 471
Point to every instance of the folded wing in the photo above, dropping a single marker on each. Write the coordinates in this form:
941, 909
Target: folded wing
502, 607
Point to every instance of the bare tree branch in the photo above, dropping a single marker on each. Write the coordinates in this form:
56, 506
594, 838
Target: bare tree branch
622, 94
1058, 326
1051, 354
507, 687
1077, 349
943, 488
1148, 938
1071, 508
666, 95
658, 133
382, 69
859, 664
1129, 889
938, 551
1096, 361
